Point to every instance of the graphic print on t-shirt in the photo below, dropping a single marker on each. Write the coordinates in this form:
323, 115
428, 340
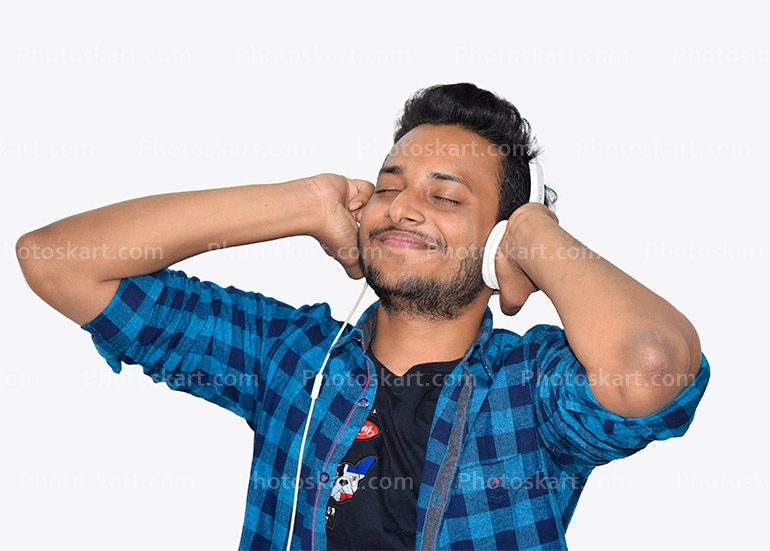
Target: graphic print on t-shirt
368, 431
381, 508
348, 478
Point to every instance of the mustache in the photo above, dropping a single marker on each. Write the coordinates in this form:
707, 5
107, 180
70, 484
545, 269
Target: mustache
427, 238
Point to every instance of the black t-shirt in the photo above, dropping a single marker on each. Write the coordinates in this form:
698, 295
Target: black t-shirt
374, 497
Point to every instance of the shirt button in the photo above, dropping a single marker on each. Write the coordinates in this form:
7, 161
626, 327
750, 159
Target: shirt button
495, 482
324, 477
363, 402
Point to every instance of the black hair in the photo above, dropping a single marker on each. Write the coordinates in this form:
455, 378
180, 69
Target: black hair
488, 115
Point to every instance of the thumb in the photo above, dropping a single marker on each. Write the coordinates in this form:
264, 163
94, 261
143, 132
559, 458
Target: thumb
360, 192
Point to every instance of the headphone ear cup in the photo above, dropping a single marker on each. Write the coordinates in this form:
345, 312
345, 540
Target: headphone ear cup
488, 272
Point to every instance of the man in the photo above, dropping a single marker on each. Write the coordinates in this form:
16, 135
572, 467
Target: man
432, 429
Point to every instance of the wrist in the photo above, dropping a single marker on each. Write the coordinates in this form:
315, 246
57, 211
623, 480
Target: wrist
306, 197
527, 230
525, 221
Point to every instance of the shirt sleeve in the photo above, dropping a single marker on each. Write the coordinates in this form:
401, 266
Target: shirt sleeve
578, 431
193, 335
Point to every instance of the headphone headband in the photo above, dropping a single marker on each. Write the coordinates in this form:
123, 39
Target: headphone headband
538, 191
536, 182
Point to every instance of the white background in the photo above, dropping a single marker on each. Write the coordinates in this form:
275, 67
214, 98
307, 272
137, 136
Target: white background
653, 119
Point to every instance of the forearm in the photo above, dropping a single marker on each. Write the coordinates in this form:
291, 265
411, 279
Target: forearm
619, 329
147, 234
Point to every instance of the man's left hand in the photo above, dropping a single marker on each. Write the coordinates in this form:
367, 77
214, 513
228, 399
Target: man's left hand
518, 246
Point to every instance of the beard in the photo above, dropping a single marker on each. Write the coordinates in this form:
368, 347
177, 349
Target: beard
422, 297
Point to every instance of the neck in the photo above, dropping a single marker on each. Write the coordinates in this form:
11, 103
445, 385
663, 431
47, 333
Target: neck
402, 340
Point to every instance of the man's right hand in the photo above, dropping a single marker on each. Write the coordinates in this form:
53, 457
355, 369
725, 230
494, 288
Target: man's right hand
170, 227
340, 201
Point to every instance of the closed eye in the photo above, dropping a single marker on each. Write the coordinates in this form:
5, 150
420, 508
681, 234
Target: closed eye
450, 201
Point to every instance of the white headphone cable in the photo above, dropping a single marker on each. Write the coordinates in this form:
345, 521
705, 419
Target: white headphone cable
313, 395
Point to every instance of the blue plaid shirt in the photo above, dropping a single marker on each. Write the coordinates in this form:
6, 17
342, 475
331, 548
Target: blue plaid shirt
515, 433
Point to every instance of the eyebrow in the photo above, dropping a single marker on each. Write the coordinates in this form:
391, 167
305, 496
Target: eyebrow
398, 169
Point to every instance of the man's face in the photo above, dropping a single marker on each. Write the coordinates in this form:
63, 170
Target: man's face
420, 195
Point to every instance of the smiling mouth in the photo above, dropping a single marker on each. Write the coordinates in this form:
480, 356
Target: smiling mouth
401, 240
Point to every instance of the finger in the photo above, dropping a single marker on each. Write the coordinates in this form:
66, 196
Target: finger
353, 269
363, 192
509, 308
348, 257
552, 214
354, 272
364, 187
511, 301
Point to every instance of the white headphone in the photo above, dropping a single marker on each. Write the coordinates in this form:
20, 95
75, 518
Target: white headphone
538, 193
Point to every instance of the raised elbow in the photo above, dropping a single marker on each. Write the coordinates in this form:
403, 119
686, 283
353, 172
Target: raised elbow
33, 260
662, 371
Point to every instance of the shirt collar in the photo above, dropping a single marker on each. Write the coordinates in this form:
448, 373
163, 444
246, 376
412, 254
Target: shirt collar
363, 333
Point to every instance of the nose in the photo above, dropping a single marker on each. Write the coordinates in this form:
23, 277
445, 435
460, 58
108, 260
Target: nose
405, 204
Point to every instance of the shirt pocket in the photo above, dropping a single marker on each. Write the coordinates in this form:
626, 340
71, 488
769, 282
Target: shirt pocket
483, 487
